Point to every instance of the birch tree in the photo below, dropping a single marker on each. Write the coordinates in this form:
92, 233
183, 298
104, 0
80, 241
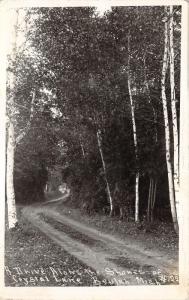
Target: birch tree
99, 139
97, 54
134, 136
167, 127
12, 139
153, 180
11, 205
174, 112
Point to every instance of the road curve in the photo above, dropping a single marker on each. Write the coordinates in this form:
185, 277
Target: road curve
119, 262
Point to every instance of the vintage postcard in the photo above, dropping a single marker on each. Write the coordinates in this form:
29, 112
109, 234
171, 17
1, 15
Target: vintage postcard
95, 149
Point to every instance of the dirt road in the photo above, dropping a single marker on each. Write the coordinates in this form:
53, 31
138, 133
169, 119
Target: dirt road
120, 263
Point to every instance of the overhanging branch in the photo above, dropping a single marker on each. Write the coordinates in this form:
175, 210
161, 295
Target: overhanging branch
26, 129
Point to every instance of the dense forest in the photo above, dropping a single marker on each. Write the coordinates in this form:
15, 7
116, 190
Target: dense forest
95, 98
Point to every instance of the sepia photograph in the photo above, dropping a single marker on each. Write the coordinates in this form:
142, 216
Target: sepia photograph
93, 145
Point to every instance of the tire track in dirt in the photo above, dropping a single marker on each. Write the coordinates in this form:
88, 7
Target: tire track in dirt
83, 253
102, 252
133, 250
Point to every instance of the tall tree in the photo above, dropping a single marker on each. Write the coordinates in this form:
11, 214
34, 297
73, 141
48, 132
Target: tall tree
11, 142
12, 138
99, 139
134, 136
174, 110
167, 125
84, 58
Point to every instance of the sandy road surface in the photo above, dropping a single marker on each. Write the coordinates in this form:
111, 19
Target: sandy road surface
119, 262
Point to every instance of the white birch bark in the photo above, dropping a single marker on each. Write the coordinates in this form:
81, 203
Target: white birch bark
134, 138
137, 197
10, 193
12, 141
174, 113
11, 205
105, 172
167, 131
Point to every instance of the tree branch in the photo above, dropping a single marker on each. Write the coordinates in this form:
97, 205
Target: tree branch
26, 129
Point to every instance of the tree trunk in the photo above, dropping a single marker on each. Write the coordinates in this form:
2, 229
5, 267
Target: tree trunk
167, 131
11, 204
150, 101
137, 197
105, 172
153, 200
174, 113
149, 200
134, 137
12, 141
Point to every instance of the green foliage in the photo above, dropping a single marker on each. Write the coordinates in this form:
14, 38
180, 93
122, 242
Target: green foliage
81, 60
